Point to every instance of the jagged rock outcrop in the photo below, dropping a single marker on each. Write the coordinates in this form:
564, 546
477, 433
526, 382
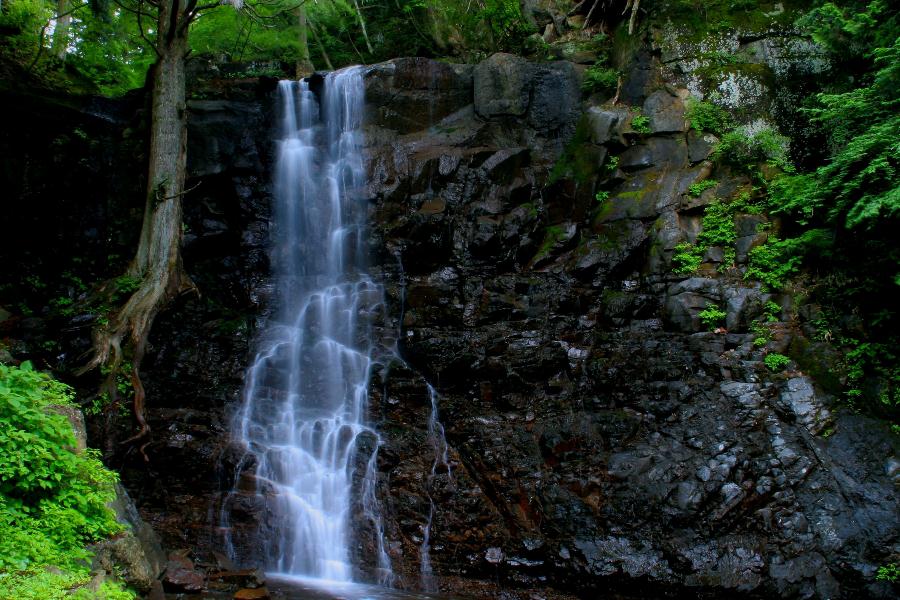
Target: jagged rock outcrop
598, 436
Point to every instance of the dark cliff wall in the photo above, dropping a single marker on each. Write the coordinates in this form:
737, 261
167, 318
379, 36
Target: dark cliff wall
599, 437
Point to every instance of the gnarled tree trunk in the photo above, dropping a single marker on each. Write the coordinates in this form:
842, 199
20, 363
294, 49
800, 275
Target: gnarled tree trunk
157, 264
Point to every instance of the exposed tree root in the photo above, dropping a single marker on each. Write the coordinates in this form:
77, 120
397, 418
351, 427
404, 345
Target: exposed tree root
122, 341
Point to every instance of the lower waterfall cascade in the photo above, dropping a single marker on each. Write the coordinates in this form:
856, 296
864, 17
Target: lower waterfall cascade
306, 394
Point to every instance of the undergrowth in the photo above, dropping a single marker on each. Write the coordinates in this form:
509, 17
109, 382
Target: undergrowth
53, 500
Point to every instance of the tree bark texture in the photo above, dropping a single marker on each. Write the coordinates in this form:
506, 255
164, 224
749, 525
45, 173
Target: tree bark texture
61, 29
304, 66
157, 263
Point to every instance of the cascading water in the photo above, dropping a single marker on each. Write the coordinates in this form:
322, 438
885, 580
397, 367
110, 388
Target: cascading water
306, 396
441, 459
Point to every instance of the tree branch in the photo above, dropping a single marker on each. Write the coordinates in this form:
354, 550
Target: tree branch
141, 29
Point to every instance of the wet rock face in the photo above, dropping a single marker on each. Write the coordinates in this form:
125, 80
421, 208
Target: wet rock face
202, 344
598, 436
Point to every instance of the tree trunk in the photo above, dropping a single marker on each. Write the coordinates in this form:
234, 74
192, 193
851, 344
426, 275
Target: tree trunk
304, 66
321, 46
362, 24
157, 263
61, 30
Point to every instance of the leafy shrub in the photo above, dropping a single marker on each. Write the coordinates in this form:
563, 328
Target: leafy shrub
718, 225
600, 78
52, 501
706, 116
712, 316
686, 259
744, 149
776, 361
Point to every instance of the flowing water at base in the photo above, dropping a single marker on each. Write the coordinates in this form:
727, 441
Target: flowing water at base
302, 588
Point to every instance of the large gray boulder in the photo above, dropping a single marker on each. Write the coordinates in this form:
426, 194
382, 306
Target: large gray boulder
502, 86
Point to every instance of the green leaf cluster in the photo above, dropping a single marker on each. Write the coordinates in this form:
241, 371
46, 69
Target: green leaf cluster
712, 316
718, 230
745, 149
696, 189
707, 117
600, 78
53, 500
776, 361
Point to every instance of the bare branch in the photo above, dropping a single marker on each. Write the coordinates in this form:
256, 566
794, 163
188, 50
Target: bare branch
135, 11
144, 37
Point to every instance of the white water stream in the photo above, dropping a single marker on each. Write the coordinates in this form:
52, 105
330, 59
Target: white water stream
306, 396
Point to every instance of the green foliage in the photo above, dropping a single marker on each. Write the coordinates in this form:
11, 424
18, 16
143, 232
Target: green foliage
775, 261
776, 361
863, 359
745, 149
859, 186
126, 284
712, 316
52, 501
707, 117
601, 196
600, 78
104, 54
762, 333
641, 124
612, 164
718, 230
889, 572
718, 225
686, 259
696, 189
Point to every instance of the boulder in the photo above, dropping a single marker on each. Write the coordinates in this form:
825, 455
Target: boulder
555, 96
665, 111
606, 125
502, 84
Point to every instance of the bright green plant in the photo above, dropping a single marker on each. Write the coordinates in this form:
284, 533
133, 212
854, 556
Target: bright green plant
889, 572
641, 124
776, 361
774, 262
761, 332
600, 79
612, 164
707, 117
743, 149
686, 259
712, 316
695, 189
53, 501
601, 196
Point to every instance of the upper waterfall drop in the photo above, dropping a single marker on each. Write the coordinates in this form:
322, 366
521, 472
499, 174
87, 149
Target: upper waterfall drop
306, 396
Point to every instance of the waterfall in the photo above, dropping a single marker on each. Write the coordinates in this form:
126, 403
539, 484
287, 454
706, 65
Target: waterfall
438, 442
306, 394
